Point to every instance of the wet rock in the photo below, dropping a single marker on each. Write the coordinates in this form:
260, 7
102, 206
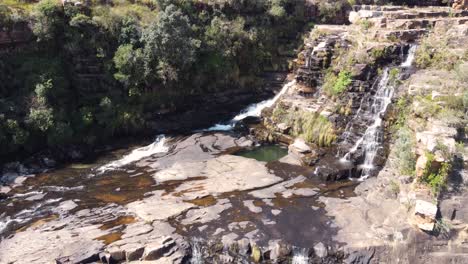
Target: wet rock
5, 189
229, 239
35, 197
67, 205
207, 214
278, 250
424, 215
222, 174
363, 256
243, 246
285, 189
299, 146
156, 249
275, 212
159, 207
320, 250
251, 206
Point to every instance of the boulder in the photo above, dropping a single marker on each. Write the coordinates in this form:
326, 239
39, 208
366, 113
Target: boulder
299, 147
425, 215
320, 250
420, 165
283, 128
460, 4
155, 250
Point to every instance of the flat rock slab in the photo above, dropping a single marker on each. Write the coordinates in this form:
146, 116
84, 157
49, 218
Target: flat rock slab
159, 207
286, 189
226, 173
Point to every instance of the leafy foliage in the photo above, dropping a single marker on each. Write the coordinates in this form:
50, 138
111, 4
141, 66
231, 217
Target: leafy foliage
336, 84
98, 70
436, 178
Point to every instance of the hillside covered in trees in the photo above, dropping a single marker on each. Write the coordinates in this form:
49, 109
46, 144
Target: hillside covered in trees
80, 73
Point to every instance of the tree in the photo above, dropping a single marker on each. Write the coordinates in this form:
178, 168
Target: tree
6, 21
130, 67
48, 16
170, 45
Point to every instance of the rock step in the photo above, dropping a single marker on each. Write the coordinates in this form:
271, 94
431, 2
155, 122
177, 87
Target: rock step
356, 16
407, 24
404, 35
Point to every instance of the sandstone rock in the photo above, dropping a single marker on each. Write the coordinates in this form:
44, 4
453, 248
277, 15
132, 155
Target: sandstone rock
243, 246
460, 4
159, 207
251, 206
283, 128
229, 239
133, 251
299, 146
425, 215
156, 249
221, 174
320, 250
207, 214
278, 250
420, 165
280, 188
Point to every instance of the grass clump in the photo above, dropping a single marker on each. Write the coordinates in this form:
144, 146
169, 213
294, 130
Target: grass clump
405, 157
336, 84
312, 127
435, 52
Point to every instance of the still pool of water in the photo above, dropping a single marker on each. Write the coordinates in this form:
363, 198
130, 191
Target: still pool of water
264, 153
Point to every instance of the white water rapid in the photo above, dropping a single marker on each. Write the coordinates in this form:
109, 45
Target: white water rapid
158, 146
197, 252
251, 110
300, 256
372, 138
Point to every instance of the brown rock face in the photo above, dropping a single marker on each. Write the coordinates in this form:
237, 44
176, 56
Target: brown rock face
460, 4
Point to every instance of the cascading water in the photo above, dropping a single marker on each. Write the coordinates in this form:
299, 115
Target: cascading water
158, 146
251, 110
197, 252
372, 138
300, 256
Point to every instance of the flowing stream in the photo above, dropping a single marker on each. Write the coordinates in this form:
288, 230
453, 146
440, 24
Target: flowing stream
371, 141
158, 146
251, 110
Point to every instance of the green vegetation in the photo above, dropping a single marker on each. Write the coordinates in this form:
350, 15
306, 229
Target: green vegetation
435, 175
312, 127
404, 149
336, 84
93, 72
435, 52
394, 187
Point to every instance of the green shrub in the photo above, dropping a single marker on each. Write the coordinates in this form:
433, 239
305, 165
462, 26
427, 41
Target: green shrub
395, 187
41, 118
335, 85
436, 178
404, 146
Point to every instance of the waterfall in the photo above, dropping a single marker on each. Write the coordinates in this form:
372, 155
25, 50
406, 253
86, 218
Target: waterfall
300, 256
251, 110
409, 60
372, 138
197, 252
158, 146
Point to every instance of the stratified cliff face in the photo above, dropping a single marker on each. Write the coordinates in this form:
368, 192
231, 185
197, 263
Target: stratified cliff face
413, 189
